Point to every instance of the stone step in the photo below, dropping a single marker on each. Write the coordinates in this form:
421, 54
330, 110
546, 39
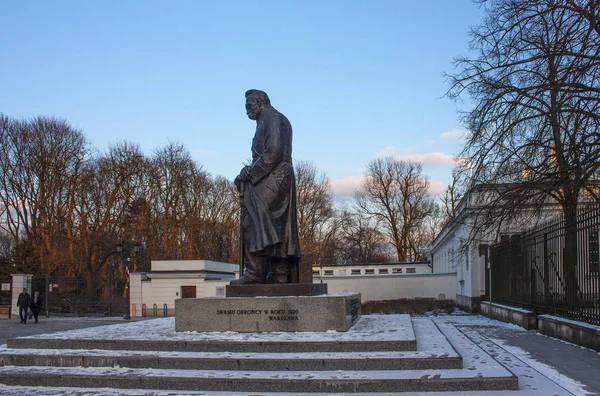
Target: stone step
217, 346
234, 361
435, 353
259, 381
441, 348
373, 333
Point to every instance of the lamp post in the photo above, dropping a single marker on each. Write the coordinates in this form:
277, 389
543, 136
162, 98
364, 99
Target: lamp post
136, 250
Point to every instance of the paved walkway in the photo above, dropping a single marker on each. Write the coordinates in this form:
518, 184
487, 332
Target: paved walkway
545, 354
573, 361
572, 367
12, 328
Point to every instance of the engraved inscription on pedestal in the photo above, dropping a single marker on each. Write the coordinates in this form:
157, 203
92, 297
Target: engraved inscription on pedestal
262, 314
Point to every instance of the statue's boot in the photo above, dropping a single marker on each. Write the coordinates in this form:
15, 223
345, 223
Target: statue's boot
279, 273
254, 269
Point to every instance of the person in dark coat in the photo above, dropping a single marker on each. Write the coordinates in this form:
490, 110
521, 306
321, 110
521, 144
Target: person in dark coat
36, 305
23, 302
268, 193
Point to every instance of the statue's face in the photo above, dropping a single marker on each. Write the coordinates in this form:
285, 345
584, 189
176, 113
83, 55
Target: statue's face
253, 108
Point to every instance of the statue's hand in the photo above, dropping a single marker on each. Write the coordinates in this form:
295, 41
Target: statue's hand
245, 174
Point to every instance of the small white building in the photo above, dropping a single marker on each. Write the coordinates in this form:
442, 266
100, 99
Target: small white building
169, 280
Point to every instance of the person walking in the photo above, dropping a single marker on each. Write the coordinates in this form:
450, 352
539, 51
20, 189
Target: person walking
36, 305
23, 303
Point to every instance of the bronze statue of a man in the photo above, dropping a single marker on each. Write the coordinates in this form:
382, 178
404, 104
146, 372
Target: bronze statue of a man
267, 189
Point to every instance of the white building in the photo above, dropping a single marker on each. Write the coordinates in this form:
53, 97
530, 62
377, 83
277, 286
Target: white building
172, 279
459, 250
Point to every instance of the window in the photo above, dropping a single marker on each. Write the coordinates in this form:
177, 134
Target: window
329, 272
369, 272
316, 272
355, 272
411, 270
383, 270
396, 270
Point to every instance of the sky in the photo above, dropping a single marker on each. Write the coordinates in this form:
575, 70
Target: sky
357, 79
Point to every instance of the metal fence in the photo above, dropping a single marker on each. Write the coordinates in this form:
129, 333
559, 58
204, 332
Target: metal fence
74, 297
528, 269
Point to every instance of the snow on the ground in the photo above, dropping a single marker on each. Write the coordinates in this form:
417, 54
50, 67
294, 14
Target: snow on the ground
39, 391
385, 327
493, 328
369, 327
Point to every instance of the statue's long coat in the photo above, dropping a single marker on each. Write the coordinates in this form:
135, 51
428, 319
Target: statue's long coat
270, 196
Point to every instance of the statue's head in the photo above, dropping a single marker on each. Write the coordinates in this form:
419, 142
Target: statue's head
255, 103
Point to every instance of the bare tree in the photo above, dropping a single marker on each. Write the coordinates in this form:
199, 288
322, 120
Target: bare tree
361, 241
42, 159
452, 196
314, 202
396, 194
6, 256
112, 195
534, 82
213, 225
174, 175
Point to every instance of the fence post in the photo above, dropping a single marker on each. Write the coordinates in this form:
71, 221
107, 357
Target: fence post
143, 310
155, 310
488, 259
165, 310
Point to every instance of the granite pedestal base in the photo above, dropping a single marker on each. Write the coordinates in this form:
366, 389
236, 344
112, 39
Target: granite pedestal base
267, 314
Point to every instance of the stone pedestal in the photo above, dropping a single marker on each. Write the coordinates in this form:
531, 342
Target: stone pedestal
266, 314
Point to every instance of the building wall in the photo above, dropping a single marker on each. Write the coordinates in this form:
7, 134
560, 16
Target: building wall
373, 269
391, 287
162, 291
215, 287
135, 293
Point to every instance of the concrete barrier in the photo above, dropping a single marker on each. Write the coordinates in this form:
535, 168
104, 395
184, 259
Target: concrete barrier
583, 334
522, 317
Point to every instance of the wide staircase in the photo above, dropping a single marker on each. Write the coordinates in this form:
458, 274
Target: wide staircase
381, 353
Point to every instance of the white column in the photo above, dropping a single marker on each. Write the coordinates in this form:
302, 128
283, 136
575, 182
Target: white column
19, 282
135, 293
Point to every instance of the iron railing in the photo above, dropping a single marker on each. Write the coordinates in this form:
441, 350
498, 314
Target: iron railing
75, 297
537, 269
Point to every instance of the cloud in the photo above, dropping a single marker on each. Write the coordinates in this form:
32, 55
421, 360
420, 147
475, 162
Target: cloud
455, 134
346, 187
428, 159
435, 187
434, 159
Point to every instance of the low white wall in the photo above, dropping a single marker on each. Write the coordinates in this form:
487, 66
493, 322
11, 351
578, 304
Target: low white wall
377, 288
